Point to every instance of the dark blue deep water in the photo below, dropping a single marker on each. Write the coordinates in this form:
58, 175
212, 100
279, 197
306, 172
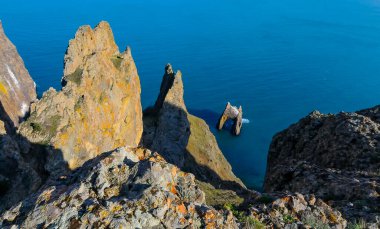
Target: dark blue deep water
279, 59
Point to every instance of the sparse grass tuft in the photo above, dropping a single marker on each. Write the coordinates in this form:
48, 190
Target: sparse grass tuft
75, 77
116, 60
219, 197
288, 219
360, 224
247, 221
315, 223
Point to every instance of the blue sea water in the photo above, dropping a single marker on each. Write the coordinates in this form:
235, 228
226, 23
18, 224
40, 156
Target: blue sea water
279, 59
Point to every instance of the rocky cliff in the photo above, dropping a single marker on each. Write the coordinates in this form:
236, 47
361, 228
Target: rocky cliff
75, 161
17, 89
183, 139
99, 107
335, 157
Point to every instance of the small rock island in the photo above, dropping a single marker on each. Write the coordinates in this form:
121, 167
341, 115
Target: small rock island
232, 113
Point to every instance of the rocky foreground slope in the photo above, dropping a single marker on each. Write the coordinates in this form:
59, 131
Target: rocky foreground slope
86, 157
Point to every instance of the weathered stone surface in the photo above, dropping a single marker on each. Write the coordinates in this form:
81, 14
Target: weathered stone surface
233, 113
335, 157
99, 107
17, 89
114, 191
183, 139
297, 211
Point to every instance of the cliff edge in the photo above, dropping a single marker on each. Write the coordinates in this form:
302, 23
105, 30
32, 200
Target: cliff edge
335, 157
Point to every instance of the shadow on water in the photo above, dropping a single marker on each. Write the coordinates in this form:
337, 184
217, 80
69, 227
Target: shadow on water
212, 118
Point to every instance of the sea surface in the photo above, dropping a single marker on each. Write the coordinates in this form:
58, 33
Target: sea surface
279, 59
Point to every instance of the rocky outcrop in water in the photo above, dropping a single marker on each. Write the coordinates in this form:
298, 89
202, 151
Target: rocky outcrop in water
99, 107
335, 157
17, 89
183, 139
235, 115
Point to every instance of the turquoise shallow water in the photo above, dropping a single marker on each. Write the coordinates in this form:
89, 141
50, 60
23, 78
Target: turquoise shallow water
278, 59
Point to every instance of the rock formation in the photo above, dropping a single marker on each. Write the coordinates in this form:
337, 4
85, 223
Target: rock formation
232, 113
335, 157
75, 162
17, 89
117, 190
99, 107
183, 139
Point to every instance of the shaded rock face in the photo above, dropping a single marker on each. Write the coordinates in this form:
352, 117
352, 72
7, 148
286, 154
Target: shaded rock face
117, 190
20, 174
17, 89
183, 139
99, 107
336, 157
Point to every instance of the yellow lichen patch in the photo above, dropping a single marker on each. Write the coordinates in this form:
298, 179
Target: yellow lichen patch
211, 225
72, 163
116, 208
182, 209
173, 189
333, 218
174, 171
182, 220
3, 89
103, 214
112, 191
90, 208
45, 196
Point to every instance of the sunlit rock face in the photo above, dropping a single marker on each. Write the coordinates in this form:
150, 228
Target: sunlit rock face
99, 107
17, 88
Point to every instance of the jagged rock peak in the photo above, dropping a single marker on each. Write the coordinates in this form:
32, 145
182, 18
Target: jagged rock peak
171, 90
88, 41
17, 89
99, 107
184, 139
